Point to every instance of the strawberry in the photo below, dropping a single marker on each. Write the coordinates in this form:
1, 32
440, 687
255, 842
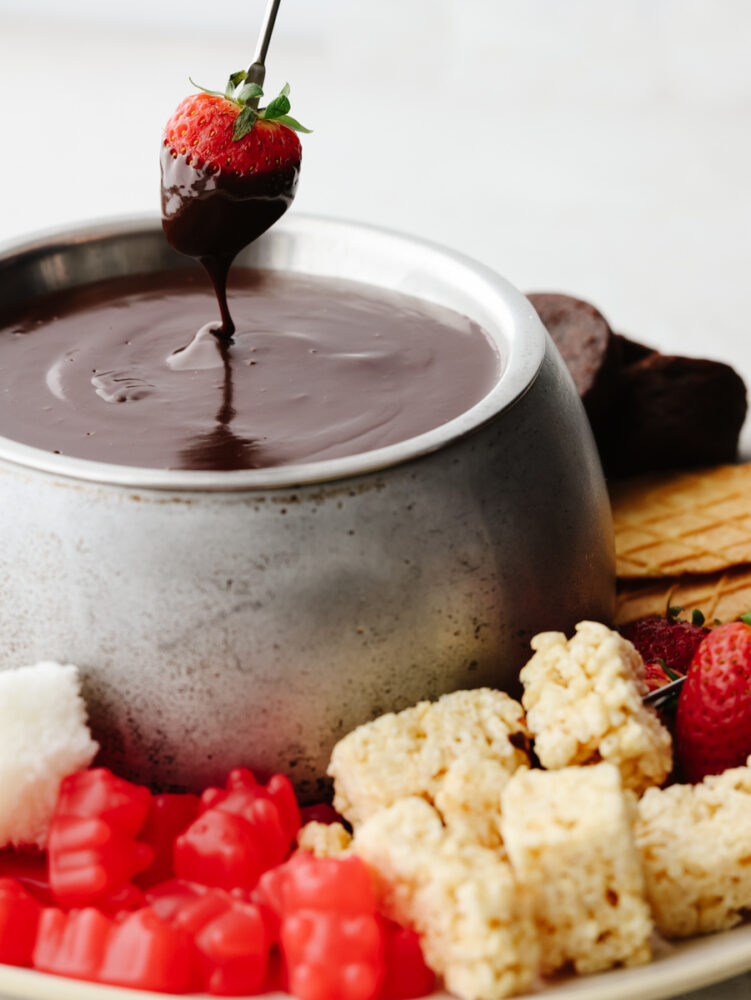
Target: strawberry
218, 134
656, 675
713, 722
668, 639
229, 168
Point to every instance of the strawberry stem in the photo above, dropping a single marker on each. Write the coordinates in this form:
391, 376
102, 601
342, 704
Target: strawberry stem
246, 93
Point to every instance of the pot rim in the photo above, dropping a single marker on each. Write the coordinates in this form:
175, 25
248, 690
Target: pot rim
520, 339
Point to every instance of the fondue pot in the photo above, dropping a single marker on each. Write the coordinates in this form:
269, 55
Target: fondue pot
255, 617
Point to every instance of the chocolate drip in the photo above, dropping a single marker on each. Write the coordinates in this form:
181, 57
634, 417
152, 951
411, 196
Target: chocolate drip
213, 216
217, 269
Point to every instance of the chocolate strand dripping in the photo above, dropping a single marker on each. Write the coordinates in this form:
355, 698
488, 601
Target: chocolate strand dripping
217, 269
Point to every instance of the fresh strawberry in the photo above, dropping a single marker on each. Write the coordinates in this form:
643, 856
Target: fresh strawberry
669, 639
713, 722
656, 675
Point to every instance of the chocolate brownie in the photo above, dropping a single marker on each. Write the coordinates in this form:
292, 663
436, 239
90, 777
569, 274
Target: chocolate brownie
648, 411
673, 412
587, 345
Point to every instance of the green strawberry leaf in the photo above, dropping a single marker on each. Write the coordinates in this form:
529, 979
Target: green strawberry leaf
697, 618
244, 123
276, 108
293, 124
234, 81
674, 611
746, 619
672, 674
205, 90
276, 111
248, 92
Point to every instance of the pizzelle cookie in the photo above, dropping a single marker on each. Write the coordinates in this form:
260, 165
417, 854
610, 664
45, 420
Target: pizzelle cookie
680, 523
722, 596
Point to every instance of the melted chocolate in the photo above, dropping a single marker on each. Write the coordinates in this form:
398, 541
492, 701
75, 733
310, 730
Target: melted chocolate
212, 216
317, 369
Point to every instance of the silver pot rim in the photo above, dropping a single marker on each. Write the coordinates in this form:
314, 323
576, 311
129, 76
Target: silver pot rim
519, 337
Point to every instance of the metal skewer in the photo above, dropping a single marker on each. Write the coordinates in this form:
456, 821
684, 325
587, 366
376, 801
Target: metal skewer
257, 71
659, 694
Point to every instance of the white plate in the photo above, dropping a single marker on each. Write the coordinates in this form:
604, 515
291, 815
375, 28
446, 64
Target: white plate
676, 968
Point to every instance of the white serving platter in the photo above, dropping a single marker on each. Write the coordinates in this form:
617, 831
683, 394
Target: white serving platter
675, 969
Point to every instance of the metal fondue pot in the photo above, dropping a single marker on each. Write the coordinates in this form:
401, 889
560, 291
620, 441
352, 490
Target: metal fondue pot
255, 617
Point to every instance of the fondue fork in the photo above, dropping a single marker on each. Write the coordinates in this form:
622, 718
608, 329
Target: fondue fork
661, 694
257, 71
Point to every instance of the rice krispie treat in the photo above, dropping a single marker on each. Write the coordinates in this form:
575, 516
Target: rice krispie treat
410, 753
469, 800
474, 920
583, 698
325, 840
695, 843
570, 842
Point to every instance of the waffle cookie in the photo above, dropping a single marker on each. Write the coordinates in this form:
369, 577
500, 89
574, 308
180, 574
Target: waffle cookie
680, 523
719, 596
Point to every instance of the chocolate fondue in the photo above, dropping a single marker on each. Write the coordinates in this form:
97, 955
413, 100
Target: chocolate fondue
317, 369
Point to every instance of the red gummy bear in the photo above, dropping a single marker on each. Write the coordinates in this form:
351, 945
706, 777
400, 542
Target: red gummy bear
140, 951
19, 918
243, 830
92, 846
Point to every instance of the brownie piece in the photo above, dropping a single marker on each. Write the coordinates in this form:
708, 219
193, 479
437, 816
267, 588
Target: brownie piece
632, 351
588, 346
672, 412
648, 411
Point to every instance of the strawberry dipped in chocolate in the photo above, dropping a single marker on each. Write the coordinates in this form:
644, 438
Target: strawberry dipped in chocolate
229, 172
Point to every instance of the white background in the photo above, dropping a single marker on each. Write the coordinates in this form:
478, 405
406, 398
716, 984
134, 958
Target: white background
599, 147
